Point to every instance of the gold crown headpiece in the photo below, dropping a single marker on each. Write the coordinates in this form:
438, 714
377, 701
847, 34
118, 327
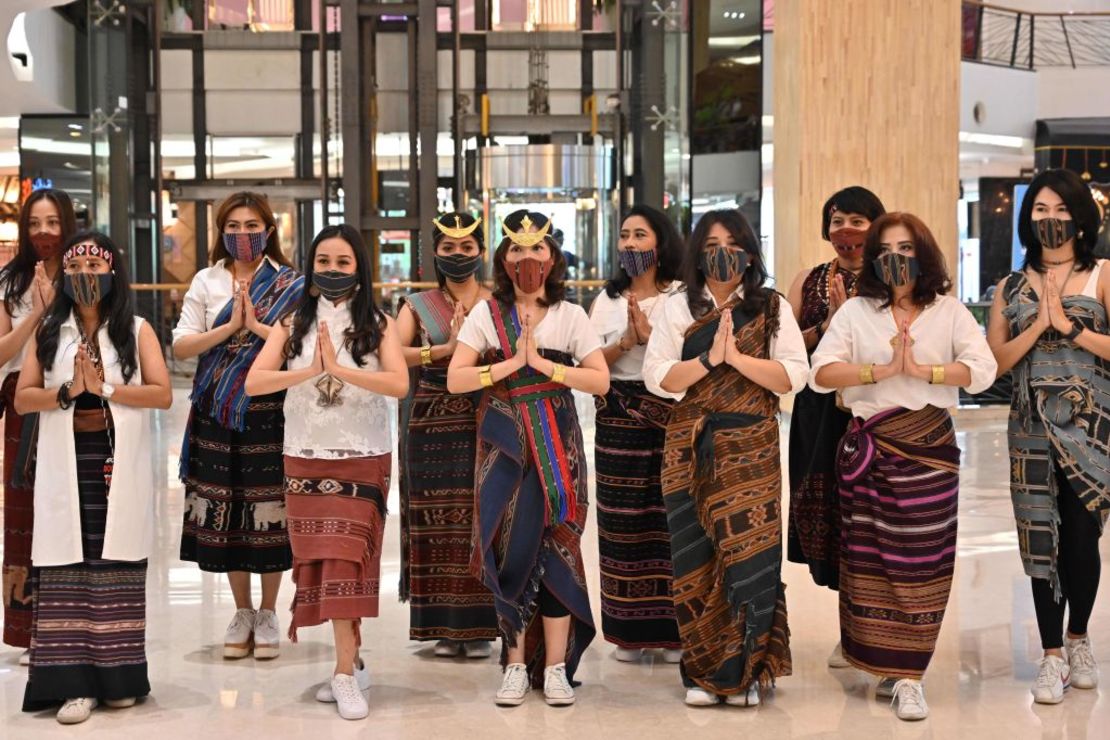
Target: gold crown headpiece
458, 231
524, 237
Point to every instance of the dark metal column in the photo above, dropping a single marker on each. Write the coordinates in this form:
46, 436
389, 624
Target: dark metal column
352, 111
427, 110
649, 96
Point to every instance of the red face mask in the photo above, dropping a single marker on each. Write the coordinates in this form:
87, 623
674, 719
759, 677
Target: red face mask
848, 241
46, 245
529, 274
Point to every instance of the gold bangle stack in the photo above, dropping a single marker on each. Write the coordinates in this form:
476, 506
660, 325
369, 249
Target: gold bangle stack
938, 375
558, 373
867, 374
485, 376
426, 355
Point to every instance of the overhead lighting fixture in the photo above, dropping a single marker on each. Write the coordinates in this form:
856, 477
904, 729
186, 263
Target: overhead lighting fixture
732, 41
1009, 142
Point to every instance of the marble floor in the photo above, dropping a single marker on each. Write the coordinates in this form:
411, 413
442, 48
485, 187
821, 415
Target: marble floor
977, 685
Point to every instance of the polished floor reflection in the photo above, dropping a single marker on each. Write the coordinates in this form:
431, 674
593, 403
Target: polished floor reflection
977, 686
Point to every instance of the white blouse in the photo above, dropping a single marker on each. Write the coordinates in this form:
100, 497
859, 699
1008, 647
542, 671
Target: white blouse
609, 317
209, 292
359, 426
944, 332
22, 312
564, 328
664, 349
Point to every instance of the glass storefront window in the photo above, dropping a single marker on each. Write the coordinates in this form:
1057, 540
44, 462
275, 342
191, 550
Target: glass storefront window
253, 15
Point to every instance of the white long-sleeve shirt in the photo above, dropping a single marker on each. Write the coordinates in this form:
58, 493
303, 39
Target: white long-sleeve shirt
664, 349
944, 332
209, 292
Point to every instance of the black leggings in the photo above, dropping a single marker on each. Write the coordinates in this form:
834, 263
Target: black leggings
1079, 566
550, 606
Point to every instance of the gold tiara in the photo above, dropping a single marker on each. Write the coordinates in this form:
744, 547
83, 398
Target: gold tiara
524, 237
459, 231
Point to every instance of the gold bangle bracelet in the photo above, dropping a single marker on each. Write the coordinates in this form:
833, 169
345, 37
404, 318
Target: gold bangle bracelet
938, 375
559, 373
485, 376
426, 355
867, 374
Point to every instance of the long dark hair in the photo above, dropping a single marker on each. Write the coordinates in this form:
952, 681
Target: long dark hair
554, 290
260, 205
117, 309
1082, 207
668, 244
16, 276
932, 279
464, 220
755, 295
367, 320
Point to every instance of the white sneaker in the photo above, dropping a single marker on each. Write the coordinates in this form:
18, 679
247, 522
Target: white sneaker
1052, 679
348, 697
25, 658
673, 655
447, 649
750, 698
909, 694
699, 697
240, 634
362, 676
628, 655
837, 659
120, 703
514, 686
267, 635
1081, 662
475, 649
885, 689
557, 690
76, 711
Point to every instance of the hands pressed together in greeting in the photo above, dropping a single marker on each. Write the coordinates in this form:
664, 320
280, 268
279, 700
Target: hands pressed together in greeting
1052, 314
85, 375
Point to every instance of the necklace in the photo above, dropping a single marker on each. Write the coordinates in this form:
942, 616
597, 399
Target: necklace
1057, 263
896, 340
823, 283
93, 351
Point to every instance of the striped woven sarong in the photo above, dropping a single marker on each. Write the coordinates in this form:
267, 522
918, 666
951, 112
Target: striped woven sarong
19, 516
336, 515
637, 610
516, 548
90, 617
438, 444
899, 485
722, 485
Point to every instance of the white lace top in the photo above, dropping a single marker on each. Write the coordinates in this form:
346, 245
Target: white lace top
359, 424
22, 312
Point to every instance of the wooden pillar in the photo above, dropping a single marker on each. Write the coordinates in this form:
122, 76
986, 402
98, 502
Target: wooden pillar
867, 92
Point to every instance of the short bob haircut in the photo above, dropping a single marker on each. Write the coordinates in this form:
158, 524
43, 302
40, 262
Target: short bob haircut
1082, 207
260, 205
553, 288
932, 279
465, 220
854, 199
668, 245
754, 277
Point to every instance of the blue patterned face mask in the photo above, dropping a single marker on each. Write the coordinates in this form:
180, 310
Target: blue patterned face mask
724, 264
896, 269
246, 246
635, 262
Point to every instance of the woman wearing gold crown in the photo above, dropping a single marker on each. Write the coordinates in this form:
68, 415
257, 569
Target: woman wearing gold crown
527, 348
437, 446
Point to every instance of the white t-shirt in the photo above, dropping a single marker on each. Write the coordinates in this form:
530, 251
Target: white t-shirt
609, 317
664, 349
944, 332
360, 426
209, 292
21, 312
564, 328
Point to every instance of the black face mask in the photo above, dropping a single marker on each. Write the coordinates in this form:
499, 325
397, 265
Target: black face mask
458, 267
86, 288
896, 269
1054, 233
334, 284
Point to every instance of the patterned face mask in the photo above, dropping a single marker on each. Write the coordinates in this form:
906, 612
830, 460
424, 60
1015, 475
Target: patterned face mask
635, 262
458, 267
895, 269
246, 246
333, 284
87, 289
724, 264
529, 274
848, 241
46, 245
1053, 233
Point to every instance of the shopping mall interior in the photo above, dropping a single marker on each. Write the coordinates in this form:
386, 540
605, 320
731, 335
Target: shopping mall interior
385, 114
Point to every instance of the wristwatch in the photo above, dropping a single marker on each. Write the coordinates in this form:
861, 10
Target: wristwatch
106, 391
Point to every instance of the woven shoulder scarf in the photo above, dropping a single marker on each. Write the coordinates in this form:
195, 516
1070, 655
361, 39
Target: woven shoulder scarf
532, 394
